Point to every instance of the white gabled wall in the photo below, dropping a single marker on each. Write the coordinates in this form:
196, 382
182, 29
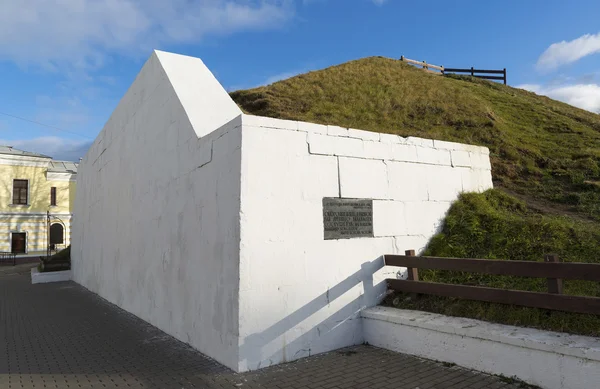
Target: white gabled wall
300, 294
156, 230
208, 224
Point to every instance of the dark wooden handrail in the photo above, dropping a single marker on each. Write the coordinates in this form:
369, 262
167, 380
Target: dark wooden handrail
474, 70
560, 302
552, 269
490, 77
571, 270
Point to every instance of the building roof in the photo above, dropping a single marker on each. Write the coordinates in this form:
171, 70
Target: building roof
12, 151
63, 167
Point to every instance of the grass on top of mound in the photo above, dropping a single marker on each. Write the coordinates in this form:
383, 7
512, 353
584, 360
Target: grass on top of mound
540, 148
542, 151
494, 225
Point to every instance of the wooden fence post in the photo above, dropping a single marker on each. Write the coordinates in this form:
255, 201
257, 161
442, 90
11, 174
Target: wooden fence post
504, 76
472, 71
413, 273
555, 285
402, 58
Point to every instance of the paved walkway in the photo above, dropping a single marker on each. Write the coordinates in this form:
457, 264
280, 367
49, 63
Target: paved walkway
62, 336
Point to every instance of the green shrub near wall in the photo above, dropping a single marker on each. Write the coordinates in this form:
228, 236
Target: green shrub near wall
57, 262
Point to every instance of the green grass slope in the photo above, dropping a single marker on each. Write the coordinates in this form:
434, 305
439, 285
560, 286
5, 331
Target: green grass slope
545, 161
540, 148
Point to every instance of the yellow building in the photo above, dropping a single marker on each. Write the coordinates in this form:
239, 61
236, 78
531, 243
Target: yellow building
33, 189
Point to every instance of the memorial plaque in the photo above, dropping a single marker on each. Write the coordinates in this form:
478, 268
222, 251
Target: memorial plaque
347, 218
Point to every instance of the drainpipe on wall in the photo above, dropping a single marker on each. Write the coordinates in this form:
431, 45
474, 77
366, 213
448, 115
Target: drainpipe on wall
47, 235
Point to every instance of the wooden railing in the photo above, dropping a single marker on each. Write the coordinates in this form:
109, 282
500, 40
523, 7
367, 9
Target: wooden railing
8, 258
552, 269
426, 66
482, 73
477, 73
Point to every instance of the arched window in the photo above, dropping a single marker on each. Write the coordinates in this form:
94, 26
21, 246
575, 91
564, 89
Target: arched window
57, 234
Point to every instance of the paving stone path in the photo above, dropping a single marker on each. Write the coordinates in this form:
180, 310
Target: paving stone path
60, 335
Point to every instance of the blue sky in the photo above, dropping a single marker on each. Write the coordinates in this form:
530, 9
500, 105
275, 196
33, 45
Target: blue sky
66, 64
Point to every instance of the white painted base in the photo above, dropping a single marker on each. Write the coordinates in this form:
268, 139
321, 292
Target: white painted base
551, 360
53, 276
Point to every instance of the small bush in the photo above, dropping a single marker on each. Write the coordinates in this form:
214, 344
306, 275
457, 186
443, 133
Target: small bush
62, 256
57, 262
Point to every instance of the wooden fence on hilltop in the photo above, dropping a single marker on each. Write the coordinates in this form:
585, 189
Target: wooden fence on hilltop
478, 73
552, 269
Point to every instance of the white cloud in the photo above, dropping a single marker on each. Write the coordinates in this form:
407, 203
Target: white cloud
535, 88
281, 76
562, 53
269, 80
585, 96
81, 34
58, 148
65, 112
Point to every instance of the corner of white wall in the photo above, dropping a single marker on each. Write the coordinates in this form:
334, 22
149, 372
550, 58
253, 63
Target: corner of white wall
288, 167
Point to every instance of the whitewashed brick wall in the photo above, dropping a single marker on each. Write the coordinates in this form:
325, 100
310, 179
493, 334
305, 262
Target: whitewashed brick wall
208, 223
301, 294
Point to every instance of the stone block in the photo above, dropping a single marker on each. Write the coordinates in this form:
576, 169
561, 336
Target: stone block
406, 181
443, 183
391, 138
261, 121
404, 153
363, 178
364, 135
312, 128
411, 140
337, 131
480, 161
388, 218
432, 156
332, 145
410, 242
460, 158
376, 150
476, 180
441, 144
425, 217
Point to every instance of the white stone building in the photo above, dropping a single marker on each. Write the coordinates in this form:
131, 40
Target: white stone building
209, 223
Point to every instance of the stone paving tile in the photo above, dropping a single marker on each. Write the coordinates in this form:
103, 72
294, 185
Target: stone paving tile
60, 335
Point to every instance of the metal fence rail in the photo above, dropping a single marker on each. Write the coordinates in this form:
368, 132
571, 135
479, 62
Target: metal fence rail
8, 258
